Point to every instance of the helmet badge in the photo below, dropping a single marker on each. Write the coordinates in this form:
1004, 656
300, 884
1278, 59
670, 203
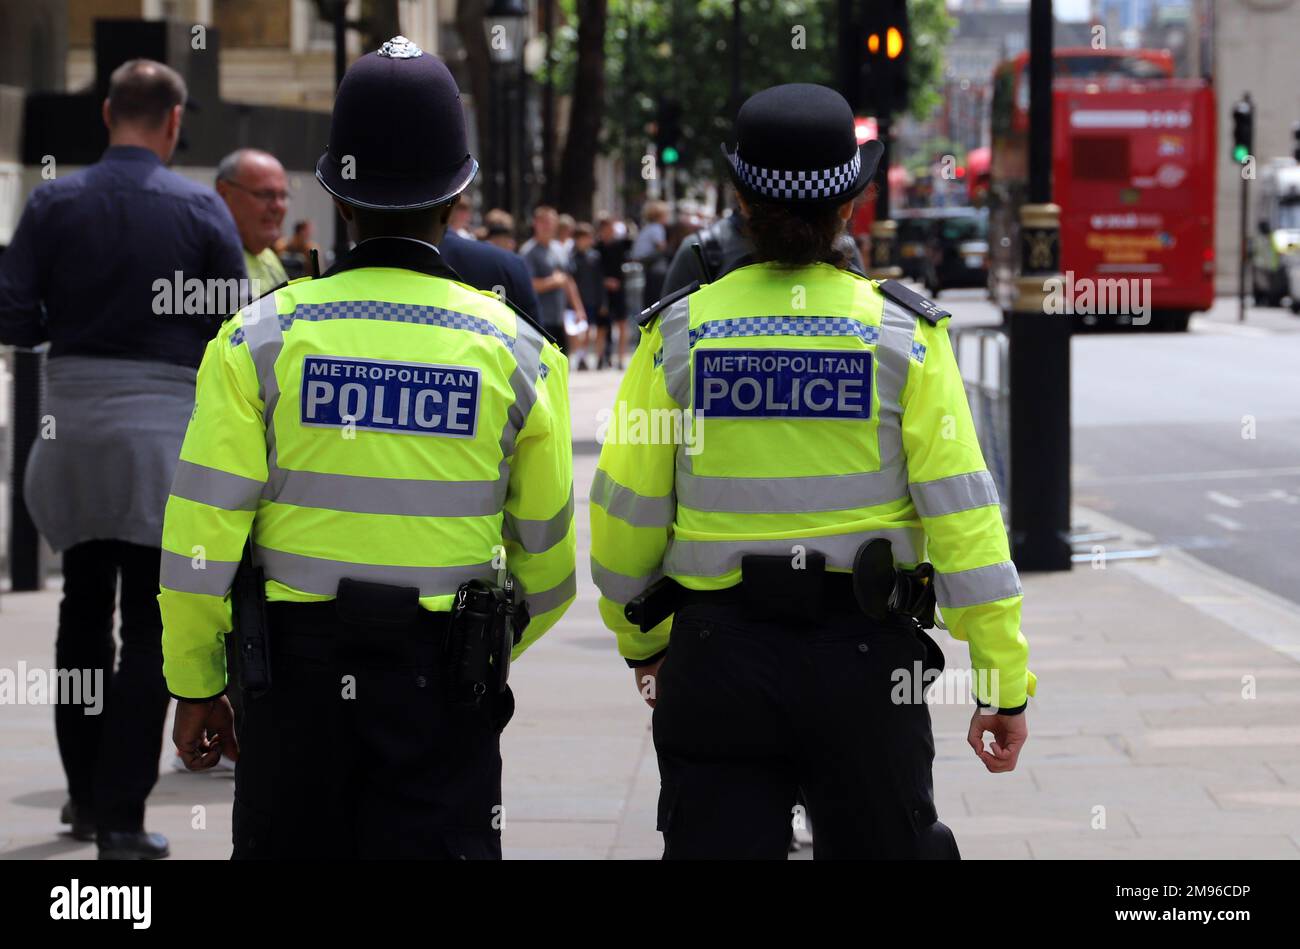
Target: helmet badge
399, 47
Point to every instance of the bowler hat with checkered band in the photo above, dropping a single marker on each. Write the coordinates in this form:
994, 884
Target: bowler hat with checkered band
796, 144
397, 135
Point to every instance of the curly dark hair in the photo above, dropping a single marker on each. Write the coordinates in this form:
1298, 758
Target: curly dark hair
793, 236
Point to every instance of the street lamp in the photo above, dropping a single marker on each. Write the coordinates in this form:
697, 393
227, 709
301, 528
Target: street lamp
504, 25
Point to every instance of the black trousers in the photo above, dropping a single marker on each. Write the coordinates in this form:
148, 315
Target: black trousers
750, 711
354, 751
111, 759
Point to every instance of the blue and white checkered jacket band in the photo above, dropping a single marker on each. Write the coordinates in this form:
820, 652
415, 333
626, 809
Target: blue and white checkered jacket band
783, 184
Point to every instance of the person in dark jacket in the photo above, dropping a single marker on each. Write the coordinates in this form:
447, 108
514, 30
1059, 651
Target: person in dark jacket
125, 269
725, 245
613, 250
589, 275
486, 267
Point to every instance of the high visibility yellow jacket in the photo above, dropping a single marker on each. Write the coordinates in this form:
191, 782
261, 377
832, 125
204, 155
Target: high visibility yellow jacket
780, 407
382, 423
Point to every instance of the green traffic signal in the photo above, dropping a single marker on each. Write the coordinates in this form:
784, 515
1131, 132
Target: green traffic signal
670, 155
1241, 153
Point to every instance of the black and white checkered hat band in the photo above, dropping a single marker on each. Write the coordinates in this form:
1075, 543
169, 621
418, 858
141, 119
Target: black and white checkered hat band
785, 185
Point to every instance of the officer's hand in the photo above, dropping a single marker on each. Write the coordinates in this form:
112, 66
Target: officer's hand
204, 731
1010, 733
647, 681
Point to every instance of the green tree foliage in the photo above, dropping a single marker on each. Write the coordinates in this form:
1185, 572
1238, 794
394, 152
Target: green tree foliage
656, 49
681, 50
931, 26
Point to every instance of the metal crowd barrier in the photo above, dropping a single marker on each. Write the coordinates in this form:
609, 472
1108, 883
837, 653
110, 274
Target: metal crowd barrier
982, 354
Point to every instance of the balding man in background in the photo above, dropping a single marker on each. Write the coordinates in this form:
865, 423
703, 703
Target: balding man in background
93, 270
254, 186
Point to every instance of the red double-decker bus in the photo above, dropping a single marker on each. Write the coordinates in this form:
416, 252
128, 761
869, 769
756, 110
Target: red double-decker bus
1133, 172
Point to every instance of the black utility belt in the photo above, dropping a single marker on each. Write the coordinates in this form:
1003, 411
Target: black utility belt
318, 633
322, 622
835, 594
799, 589
385, 623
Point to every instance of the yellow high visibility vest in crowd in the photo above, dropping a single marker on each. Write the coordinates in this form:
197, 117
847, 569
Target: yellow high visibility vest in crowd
820, 413
383, 423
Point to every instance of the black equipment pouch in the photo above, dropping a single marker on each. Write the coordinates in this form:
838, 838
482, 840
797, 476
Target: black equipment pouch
873, 578
784, 587
484, 629
882, 589
249, 627
655, 603
362, 603
377, 619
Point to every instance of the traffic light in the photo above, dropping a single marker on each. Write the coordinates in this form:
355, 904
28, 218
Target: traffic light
885, 50
1295, 138
668, 132
1243, 129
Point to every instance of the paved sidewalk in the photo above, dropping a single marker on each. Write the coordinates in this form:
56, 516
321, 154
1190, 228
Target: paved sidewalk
1143, 742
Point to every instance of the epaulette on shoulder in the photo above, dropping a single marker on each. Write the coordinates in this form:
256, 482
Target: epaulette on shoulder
913, 302
654, 309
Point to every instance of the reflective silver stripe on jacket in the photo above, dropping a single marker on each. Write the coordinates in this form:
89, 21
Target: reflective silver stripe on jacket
980, 585
897, 329
412, 497
182, 574
638, 510
962, 492
322, 576
713, 558
523, 382
215, 488
538, 536
675, 328
549, 599
795, 495
619, 587
265, 338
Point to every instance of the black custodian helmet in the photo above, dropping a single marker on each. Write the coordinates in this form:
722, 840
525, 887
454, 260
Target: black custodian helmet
397, 134
796, 144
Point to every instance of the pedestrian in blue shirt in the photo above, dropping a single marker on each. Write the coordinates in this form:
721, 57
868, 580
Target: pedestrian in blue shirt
125, 269
486, 267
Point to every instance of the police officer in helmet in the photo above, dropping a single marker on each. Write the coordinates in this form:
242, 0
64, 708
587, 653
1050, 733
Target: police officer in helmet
769, 576
388, 452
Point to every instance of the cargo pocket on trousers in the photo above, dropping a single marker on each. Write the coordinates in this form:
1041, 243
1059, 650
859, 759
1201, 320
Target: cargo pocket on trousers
934, 840
669, 796
934, 658
503, 710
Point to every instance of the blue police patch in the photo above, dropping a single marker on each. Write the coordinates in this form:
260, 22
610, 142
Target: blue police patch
387, 396
782, 383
